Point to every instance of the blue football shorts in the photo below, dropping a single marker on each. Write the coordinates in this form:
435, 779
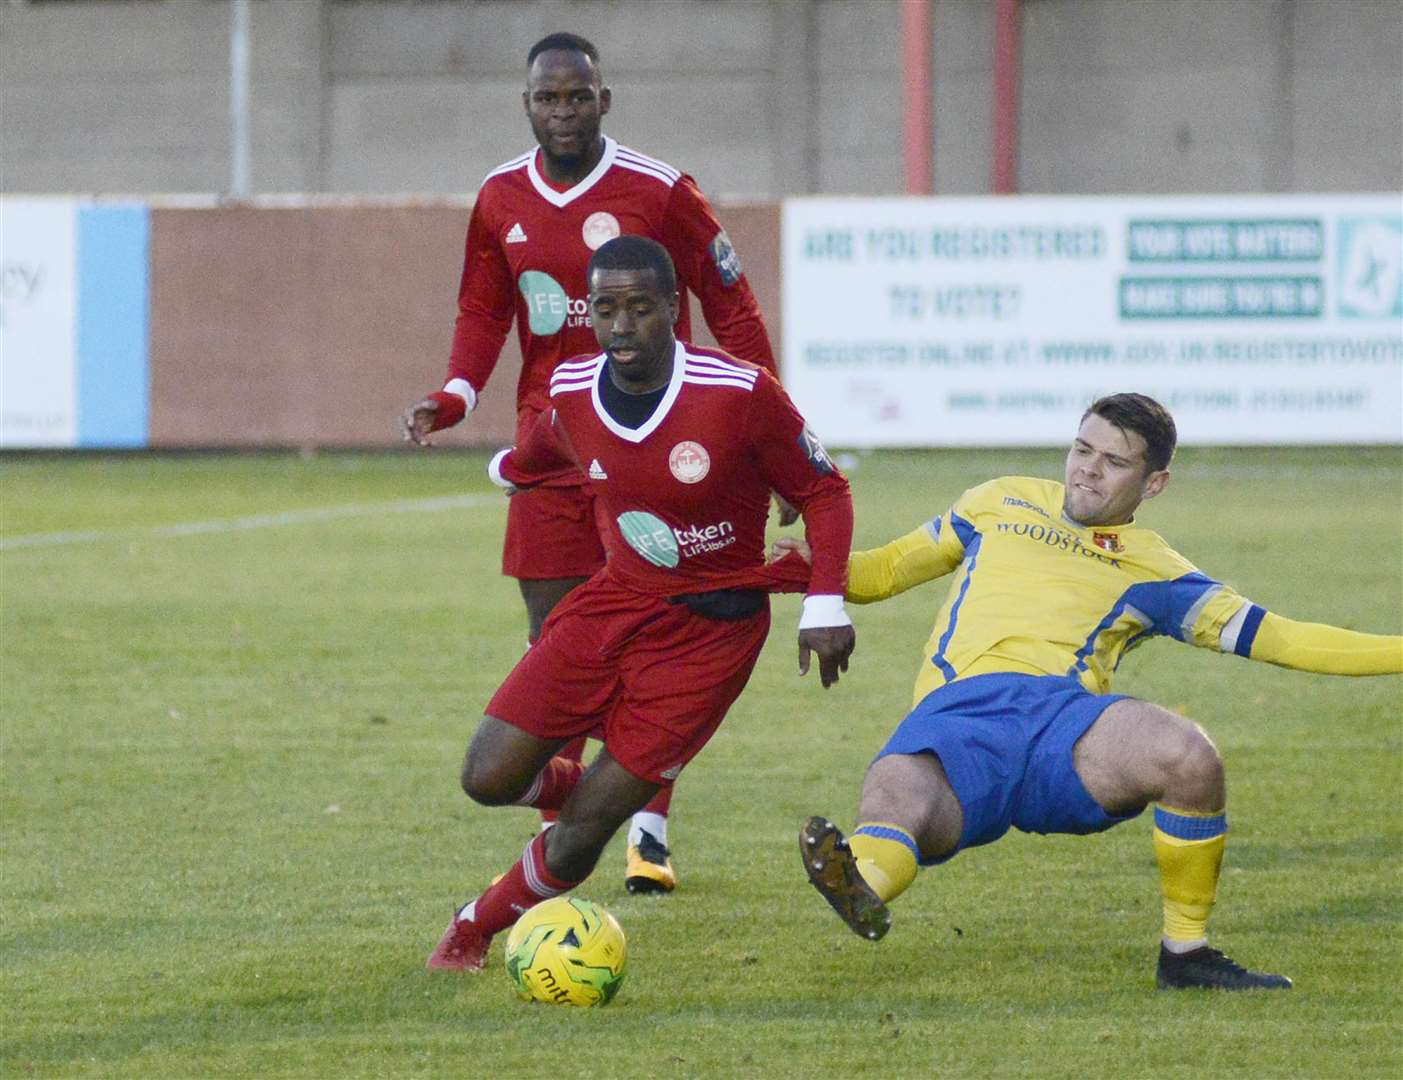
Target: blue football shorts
1005, 741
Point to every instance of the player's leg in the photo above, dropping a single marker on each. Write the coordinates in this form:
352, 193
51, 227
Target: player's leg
551, 547
1136, 753
905, 797
573, 751
647, 858
556, 691
554, 862
682, 684
649, 866
602, 801
908, 811
505, 766
944, 781
540, 596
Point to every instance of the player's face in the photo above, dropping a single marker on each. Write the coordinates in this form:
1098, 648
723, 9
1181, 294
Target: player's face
564, 102
633, 320
1107, 478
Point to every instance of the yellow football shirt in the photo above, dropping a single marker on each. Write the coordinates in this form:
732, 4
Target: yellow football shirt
1039, 594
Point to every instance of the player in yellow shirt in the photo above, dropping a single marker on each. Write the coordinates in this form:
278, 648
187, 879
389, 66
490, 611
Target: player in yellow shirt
1013, 724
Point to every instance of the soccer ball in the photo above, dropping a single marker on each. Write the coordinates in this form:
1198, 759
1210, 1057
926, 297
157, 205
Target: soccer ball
566, 951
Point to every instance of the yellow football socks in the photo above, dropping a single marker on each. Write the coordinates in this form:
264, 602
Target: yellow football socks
886, 857
1189, 850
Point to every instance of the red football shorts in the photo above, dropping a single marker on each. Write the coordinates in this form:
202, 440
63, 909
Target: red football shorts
552, 533
652, 679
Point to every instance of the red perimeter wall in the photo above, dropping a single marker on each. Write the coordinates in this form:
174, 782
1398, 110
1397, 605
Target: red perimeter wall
316, 325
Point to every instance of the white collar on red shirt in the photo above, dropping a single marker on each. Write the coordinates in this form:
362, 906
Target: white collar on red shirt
674, 387
565, 198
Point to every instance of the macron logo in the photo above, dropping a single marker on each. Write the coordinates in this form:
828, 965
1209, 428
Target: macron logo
596, 471
517, 235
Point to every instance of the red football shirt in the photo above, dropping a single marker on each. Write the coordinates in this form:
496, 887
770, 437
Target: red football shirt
529, 245
686, 494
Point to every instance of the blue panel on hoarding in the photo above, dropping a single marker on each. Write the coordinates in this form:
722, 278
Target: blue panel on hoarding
113, 317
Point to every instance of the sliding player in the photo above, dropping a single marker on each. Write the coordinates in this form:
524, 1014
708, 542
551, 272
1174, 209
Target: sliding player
1013, 724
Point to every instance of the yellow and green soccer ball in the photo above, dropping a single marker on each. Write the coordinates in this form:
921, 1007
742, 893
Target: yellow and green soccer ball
566, 951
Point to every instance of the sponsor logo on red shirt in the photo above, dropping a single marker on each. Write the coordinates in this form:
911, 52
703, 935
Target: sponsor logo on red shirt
723, 254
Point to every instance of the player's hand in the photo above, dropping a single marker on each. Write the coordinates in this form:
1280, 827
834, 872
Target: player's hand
787, 512
789, 545
834, 644
417, 421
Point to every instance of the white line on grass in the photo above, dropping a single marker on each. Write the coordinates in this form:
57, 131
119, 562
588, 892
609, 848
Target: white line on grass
260, 521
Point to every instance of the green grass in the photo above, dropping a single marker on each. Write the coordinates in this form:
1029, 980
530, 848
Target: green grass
232, 830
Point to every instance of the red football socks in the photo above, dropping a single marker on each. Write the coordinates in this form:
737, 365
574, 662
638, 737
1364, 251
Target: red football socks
553, 784
526, 884
660, 802
574, 750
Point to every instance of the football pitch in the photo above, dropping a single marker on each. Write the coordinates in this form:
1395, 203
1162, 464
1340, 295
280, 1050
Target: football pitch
236, 692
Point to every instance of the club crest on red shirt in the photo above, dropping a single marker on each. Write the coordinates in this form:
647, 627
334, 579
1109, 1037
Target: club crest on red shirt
689, 462
1108, 542
599, 228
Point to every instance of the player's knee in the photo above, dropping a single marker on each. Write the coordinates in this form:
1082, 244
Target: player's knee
888, 795
485, 783
912, 792
1193, 761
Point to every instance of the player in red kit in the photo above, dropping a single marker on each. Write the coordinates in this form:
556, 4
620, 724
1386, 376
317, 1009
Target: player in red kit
682, 447
535, 223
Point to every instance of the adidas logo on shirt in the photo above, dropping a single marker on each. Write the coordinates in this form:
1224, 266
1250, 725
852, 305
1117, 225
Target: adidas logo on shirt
596, 471
516, 235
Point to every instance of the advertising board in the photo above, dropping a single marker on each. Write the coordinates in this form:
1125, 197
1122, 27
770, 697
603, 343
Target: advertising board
994, 321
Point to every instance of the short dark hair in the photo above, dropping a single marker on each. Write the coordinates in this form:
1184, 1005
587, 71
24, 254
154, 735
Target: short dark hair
565, 43
1147, 418
636, 253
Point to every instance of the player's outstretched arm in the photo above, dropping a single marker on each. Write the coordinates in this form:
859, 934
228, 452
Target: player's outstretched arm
902, 564
886, 571
486, 304
1329, 650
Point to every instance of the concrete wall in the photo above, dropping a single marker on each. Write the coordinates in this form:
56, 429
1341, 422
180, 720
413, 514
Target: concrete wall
133, 97
1207, 95
756, 98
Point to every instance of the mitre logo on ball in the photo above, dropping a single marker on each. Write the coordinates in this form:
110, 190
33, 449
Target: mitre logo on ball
689, 462
599, 228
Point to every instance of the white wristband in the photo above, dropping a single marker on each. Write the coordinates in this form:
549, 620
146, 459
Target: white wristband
823, 609
464, 390
494, 470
